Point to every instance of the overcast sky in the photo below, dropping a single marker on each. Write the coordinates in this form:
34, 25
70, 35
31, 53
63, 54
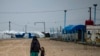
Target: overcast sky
26, 12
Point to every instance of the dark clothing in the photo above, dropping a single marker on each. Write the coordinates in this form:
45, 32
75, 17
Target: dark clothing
35, 46
42, 52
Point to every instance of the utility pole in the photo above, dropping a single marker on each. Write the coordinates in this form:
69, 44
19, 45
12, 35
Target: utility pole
9, 25
65, 17
90, 12
25, 28
95, 5
60, 28
43, 24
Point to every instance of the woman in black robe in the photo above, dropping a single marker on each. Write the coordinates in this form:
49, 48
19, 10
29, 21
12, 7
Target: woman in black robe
35, 47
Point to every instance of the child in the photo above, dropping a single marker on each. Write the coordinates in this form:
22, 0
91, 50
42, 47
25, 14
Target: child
42, 51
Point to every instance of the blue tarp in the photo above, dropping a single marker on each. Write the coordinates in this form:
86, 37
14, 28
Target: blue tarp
73, 28
30, 35
20, 35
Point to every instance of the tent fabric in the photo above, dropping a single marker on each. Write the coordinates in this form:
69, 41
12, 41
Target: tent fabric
38, 34
73, 28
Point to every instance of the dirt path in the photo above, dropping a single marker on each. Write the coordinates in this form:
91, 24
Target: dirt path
21, 47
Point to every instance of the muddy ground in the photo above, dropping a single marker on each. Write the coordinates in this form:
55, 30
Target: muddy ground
21, 47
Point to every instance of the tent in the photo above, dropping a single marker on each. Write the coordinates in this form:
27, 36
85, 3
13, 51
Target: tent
7, 34
73, 28
75, 32
38, 34
4, 36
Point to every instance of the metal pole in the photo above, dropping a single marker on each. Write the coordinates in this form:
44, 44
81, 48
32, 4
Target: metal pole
65, 18
43, 24
94, 13
44, 27
25, 28
90, 12
60, 28
9, 25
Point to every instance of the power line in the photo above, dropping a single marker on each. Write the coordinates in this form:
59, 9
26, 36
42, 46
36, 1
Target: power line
3, 22
77, 9
48, 11
29, 12
17, 24
97, 9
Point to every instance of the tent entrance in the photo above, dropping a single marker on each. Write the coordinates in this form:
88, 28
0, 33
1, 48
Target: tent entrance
79, 35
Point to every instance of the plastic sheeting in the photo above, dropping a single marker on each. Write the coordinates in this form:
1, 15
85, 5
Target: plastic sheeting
4, 36
39, 34
73, 28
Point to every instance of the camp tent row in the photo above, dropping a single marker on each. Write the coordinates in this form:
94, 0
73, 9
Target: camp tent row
14, 34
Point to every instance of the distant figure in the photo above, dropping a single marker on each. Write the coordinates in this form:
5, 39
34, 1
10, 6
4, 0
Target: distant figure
42, 51
35, 47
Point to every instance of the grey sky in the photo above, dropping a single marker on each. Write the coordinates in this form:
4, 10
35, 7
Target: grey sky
26, 12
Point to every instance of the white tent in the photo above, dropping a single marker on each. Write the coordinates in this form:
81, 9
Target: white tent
26, 35
4, 36
7, 34
39, 34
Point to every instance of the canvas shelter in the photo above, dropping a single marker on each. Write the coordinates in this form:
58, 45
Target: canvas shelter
72, 29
